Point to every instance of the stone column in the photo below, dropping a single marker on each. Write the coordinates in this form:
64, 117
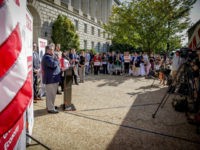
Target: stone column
109, 8
77, 5
57, 2
85, 6
69, 4
99, 10
93, 5
104, 10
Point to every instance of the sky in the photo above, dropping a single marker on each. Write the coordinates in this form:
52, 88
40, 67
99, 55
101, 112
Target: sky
195, 12
195, 16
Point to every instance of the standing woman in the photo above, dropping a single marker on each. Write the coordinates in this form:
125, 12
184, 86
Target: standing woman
64, 62
142, 65
104, 63
81, 67
127, 59
118, 65
97, 63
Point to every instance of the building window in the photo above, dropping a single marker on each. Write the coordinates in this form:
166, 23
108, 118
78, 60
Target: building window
76, 24
99, 46
99, 33
108, 36
92, 30
104, 34
85, 27
92, 45
104, 47
85, 44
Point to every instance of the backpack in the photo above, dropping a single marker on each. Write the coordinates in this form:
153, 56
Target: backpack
180, 105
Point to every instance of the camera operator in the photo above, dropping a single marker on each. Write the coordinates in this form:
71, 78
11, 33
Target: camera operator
177, 61
196, 74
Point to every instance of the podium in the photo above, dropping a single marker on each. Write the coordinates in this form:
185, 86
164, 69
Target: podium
68, 81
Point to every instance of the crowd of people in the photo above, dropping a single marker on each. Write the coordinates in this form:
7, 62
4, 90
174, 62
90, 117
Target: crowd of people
50, 69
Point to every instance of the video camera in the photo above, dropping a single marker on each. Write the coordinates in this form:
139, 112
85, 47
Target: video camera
188, 54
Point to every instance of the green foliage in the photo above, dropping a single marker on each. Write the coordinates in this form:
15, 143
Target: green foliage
93, 51
63, 32
121, 47
154, 25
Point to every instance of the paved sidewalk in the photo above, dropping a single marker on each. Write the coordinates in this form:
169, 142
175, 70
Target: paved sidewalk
114, 113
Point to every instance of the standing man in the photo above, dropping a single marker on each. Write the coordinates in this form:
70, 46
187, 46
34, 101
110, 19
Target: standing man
81, 67
51, 77
176, 63
58, 55
36, 75
74, 63
87, 62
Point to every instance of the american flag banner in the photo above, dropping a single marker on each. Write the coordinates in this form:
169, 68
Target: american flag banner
194, 41
15, 83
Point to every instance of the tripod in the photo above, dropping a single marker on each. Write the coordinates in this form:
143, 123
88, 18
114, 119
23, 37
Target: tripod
182, 73
29, 136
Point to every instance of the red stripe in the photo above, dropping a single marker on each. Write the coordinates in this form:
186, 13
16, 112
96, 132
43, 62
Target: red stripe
62, 63
10, 139
29, 58
1, 2
12, 113
17, 2
10, 50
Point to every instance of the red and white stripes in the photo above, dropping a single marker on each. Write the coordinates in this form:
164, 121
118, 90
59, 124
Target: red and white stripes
15, 86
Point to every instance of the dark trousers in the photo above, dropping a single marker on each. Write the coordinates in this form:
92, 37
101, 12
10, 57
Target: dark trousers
62, 83
96, 70
75, 76
126, 67
105, 69
36, 89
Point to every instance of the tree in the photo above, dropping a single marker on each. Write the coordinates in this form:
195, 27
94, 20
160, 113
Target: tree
63, 32
150, 24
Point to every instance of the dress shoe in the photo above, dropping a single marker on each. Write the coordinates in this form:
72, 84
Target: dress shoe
53, 111
37, 98
59, 93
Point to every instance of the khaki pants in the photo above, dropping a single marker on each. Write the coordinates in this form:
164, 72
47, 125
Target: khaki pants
81, 71
174, 72
51, 90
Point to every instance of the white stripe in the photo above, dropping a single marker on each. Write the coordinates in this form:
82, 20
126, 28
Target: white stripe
12, 82
9, 17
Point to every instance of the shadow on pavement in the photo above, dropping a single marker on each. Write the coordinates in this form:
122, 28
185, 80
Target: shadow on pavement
169, 130
148, 87
40, 112
112, 80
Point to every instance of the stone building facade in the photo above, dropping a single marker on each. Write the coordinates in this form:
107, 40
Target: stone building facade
88, 17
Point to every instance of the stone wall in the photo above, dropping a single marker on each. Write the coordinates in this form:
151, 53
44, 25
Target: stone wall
48, 12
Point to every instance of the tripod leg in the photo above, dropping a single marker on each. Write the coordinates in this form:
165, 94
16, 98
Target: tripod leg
165, 101
38, 142
154, 114
153, 82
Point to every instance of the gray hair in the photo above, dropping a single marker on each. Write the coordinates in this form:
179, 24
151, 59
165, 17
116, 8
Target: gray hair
51, 46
